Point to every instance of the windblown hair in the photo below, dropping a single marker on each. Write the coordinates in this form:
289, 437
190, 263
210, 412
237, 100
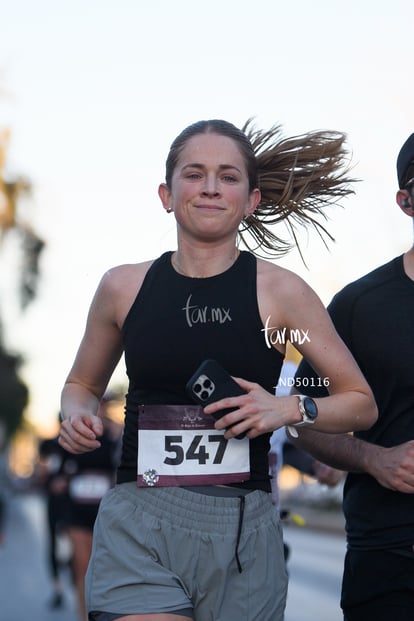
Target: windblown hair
299, 177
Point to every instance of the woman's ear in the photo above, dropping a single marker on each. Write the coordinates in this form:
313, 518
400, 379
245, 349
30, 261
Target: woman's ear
165, 196
254, 200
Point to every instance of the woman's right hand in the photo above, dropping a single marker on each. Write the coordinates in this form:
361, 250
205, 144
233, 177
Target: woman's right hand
79, 433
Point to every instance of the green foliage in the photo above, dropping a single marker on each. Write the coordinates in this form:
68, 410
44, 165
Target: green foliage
14, 393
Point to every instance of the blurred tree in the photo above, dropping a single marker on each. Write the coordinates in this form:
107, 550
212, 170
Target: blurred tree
31, 245
14, 393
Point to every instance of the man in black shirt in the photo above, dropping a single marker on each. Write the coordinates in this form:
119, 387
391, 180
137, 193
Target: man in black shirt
375, 318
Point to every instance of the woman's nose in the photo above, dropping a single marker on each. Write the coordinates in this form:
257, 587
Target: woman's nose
210, 186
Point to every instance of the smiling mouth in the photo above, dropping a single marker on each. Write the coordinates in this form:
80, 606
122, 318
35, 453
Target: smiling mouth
210, 207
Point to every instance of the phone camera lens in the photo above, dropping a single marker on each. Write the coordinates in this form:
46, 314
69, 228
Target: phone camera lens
197, 388
204, 395
207, 384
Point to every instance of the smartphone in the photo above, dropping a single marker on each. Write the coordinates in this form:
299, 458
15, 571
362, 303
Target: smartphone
210, 383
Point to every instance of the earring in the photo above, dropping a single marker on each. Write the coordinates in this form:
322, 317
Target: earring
169, 210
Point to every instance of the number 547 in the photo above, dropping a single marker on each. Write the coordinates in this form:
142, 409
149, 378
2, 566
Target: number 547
196, 450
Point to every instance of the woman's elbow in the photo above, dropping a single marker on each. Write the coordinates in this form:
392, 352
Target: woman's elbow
368, 414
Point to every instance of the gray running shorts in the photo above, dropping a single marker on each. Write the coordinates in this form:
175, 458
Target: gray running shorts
166, 550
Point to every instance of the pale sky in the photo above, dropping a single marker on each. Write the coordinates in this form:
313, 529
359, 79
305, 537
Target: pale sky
98, 90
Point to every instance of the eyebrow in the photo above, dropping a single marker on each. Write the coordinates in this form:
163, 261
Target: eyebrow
221, 166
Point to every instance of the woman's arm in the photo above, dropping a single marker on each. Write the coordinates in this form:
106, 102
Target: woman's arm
96, 359
288, 304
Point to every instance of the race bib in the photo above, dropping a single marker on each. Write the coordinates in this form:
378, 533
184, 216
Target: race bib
178, 445
89, 488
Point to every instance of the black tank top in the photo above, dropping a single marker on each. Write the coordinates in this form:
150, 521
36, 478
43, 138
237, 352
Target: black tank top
174, 324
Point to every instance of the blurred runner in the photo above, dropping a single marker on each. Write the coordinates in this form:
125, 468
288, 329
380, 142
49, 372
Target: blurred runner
75, 485
49, 475
89, 477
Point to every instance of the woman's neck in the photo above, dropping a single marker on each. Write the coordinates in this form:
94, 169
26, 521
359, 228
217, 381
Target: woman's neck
203, 264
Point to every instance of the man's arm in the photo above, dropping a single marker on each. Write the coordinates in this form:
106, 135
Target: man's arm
392, 467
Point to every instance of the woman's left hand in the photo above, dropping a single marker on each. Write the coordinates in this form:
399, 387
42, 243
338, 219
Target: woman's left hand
256, 412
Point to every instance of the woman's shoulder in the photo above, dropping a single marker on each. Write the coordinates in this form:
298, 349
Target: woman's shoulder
125, 275
272, 275
118, 288
285, 296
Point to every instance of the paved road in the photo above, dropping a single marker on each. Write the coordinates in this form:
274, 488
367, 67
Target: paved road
315, 570
315, 573
25, 588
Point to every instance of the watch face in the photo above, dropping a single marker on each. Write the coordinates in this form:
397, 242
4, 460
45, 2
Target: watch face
310, 408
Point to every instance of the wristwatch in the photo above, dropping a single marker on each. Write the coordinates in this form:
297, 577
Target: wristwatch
309, 412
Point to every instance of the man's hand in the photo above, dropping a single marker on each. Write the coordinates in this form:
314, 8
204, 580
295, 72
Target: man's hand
394, 467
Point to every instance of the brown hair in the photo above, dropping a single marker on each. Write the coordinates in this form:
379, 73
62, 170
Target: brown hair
298, 178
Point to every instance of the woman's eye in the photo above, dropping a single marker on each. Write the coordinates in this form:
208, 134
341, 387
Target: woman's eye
229, 179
